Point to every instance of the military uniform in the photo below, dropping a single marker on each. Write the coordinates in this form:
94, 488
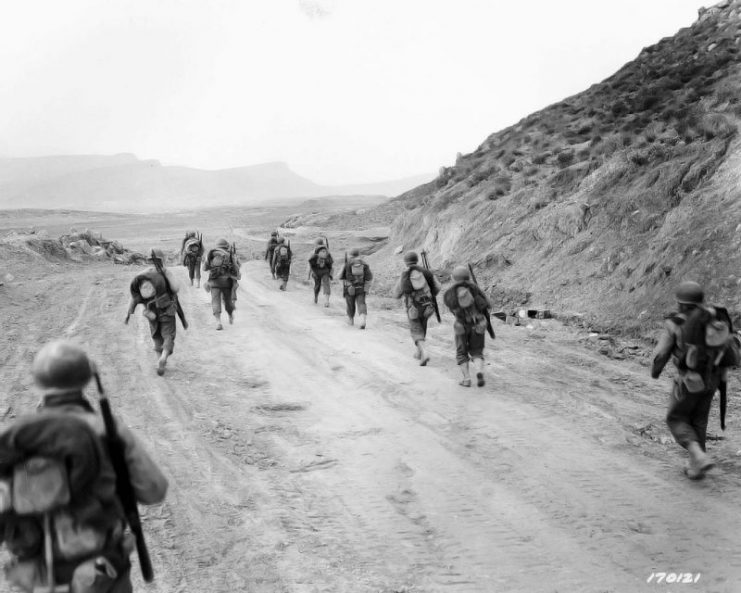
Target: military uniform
61, 371
160, 308
320, 265
689, 404
470, 324
356, 279
417, 301
224, 272
191, 253
270, 250
281, 264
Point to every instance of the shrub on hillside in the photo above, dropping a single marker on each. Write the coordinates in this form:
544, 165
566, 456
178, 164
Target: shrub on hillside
565, 157
716, 125
540, 158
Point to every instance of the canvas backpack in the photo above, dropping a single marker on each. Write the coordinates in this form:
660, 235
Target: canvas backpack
357, 271
192, 246
704, 346
60, 505
322, 258
284, 254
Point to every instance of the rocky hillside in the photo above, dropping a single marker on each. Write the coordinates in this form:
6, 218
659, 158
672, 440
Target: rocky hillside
600, 204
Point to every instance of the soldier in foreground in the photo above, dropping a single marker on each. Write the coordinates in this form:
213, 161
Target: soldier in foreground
419, 287
223, 270
191, 253
470, 307
282, 262
356, 279
700, 342
156, 289
272, 244
74, 479
320, 266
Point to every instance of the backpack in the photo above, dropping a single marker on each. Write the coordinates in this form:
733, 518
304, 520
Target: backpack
420, 298
322, 258
284, 254
357, 271
150, 290
192, 247
221, 263
704, 346
60, 503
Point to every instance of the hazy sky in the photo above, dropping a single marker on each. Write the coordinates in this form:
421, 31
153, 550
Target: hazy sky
342, 90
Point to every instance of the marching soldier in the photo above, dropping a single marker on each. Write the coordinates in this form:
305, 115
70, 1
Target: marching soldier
156, 289
66, 526
224, 272
356, 279
419, 287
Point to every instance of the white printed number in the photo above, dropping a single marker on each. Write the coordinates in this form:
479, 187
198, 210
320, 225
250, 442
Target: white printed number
674, 577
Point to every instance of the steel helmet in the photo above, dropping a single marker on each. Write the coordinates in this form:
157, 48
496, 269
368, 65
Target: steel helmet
689, 293
411, 257
274, 234
281, 240
319, 241
355, 252
461, 274
61, 367
222, 244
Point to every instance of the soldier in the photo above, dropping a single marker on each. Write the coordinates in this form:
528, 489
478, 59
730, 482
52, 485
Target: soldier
223, 270
469, 306
191, 253
356, 279
272, 243
65, 524
698, 340
419, 287
156, 289
282, 262
320, 265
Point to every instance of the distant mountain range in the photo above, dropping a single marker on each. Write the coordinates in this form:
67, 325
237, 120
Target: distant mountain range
124, 183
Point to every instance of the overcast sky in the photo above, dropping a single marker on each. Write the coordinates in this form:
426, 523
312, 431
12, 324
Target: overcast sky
341, 90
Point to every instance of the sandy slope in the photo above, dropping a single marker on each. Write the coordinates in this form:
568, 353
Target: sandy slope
305, 455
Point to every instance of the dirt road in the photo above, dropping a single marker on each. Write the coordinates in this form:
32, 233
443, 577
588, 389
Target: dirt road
307, 456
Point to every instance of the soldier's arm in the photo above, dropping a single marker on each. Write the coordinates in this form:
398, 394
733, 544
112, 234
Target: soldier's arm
147, 480
663, 350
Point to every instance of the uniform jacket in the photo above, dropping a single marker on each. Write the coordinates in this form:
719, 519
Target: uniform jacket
147, 480
670, 343
156, 279
313, 262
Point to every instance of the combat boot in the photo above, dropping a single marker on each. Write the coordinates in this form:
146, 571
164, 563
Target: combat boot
362, 321
350, 320
326, 300
700, 462
198, 283
424, 358
466, 381
231, 318
316, 298
478, 364
218, 322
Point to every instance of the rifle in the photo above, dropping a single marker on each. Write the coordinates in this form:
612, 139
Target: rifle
489, 328
426, 264
158, 265
124, 489
723, 389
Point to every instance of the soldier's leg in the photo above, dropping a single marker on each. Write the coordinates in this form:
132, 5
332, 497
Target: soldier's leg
167, 331
228, 303
350, 307
362, 309
326, 289
682, 418
317, 286
154, 331
191, 270
461, 353
216, 305
476, 342
198, 272
418, 330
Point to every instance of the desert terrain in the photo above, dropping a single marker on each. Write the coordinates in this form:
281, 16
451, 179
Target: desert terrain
305, 455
